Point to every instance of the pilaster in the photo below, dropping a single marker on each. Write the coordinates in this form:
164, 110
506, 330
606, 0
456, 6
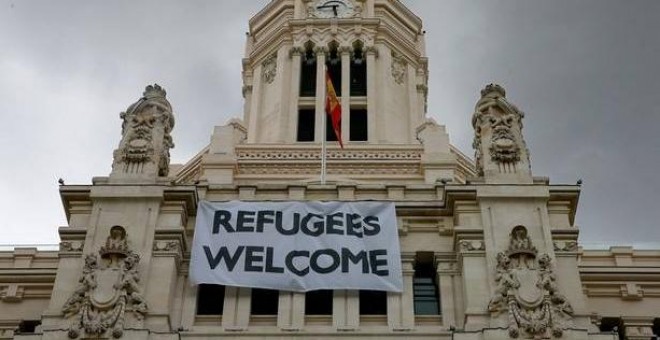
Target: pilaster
294, 92
345, 52
400, 306
446, 273
372, 94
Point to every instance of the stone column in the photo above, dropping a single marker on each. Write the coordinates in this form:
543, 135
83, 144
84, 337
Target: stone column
236, 310
346, 310
472, 257
345, 52
446, 271
255, 107
319, 134
371, 53
291, 311
400, 306
296, 60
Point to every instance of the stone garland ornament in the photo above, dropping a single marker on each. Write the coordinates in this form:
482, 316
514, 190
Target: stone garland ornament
504, 120
107, 289
146, 139
527, 291
269, 69
399, 69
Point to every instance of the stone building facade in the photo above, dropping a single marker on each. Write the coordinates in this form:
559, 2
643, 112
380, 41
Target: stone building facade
488, 250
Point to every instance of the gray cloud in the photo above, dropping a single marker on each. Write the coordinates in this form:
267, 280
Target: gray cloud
585, 72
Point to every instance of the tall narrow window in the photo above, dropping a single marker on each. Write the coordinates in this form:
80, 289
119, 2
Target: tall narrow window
318, 302
306, 122
373, 302
210, 299
425, 287
264, 301
308, 72
334, 67
358, 71
359, 128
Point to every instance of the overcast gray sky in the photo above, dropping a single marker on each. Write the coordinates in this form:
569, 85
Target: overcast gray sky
585, 72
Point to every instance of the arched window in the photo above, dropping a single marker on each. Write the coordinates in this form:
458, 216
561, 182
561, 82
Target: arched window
308, 72
358, 71
333, 63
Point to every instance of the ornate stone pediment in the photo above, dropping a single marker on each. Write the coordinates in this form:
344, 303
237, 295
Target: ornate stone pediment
107, 289
527, 290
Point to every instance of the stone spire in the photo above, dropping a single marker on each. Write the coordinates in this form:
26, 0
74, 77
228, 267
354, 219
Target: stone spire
144, 150
500, 150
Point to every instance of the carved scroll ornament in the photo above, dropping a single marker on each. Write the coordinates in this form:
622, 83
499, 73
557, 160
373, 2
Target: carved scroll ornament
107, 289
527, 290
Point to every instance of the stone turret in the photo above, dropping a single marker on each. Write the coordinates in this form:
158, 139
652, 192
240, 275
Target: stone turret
500, 151
144, 150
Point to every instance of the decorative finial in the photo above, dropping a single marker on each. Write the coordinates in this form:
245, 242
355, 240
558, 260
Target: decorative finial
154, 91
144, 150
493, 89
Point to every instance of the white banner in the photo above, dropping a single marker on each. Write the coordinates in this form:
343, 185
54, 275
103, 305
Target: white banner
297, 246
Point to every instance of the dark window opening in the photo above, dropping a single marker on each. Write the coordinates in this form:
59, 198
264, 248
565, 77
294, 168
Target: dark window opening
264, 301
656, 327
210, 299
318, 302
425, 287
359, 128
612, 325
308, 74
373, 302
306, 122
334, 69
330, 135
28, 326
358, 74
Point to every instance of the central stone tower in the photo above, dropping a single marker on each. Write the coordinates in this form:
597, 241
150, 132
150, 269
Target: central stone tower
374, 53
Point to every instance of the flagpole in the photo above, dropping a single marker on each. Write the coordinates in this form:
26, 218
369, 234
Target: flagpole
323, 147
325, 128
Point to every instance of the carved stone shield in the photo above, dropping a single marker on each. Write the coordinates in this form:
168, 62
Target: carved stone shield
528, 294
105, 294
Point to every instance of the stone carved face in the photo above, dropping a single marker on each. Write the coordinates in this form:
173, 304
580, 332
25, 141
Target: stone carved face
503, 142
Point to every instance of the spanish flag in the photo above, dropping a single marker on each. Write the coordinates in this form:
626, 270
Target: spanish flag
333, 107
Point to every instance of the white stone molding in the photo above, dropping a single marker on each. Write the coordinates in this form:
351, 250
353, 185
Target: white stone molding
565, 246
107, 289
471, 245
343, 35
72, 246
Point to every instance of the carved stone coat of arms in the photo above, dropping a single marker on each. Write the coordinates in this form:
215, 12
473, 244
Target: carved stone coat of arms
527, 291
108, 289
